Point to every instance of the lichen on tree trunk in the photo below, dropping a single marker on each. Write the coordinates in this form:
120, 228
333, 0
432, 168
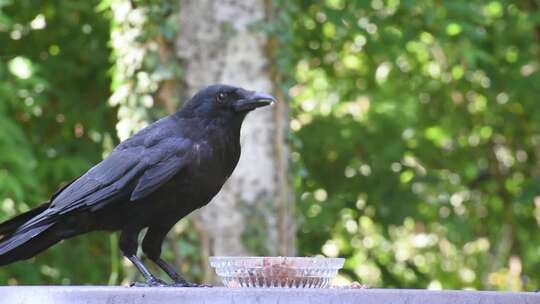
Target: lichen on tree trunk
253, 212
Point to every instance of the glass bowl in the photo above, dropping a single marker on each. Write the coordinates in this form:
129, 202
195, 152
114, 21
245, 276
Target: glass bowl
268, 272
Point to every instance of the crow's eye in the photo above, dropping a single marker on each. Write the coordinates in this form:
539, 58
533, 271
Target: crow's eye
221, 96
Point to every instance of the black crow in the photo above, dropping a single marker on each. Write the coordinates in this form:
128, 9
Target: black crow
151, 180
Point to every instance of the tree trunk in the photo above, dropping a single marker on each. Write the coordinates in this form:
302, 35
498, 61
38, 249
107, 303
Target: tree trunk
253, 213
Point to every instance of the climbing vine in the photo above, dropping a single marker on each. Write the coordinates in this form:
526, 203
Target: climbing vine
145, 69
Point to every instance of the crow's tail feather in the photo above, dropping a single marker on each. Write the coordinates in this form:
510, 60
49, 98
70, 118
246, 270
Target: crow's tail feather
24, 245
26, 235
8, 227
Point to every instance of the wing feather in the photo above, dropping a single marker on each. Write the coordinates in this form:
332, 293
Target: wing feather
96, 184
158, 175
131, 174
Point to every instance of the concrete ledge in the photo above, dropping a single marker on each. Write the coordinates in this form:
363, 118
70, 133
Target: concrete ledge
219, 295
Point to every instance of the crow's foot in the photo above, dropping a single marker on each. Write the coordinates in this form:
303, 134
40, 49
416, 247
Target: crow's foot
150, 283
188, 284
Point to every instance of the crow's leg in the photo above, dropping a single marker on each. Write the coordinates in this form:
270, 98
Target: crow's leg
151, 246
128, 244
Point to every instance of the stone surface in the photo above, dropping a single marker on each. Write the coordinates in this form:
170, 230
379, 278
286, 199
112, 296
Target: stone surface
218, 295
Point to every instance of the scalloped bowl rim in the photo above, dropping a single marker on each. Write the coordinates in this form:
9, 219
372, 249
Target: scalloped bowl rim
336, 262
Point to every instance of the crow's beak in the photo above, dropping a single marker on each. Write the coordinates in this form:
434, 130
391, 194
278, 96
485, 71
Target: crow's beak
254, 100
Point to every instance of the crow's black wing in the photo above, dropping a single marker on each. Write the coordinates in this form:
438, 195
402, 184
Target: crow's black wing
114, 179
108, 180
103, 183
119, 175
131, 173
158, 174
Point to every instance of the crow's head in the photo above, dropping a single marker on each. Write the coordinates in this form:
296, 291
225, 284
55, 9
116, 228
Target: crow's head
226, 101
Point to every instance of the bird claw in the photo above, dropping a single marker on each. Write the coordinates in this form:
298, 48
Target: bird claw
188, 284
160, 283
150, 283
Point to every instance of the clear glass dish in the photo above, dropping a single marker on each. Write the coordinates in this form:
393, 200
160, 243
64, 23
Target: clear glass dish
268, 272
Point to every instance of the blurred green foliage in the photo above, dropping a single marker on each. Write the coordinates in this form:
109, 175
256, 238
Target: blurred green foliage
142, 36
54, 121
418, 139
414, 128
